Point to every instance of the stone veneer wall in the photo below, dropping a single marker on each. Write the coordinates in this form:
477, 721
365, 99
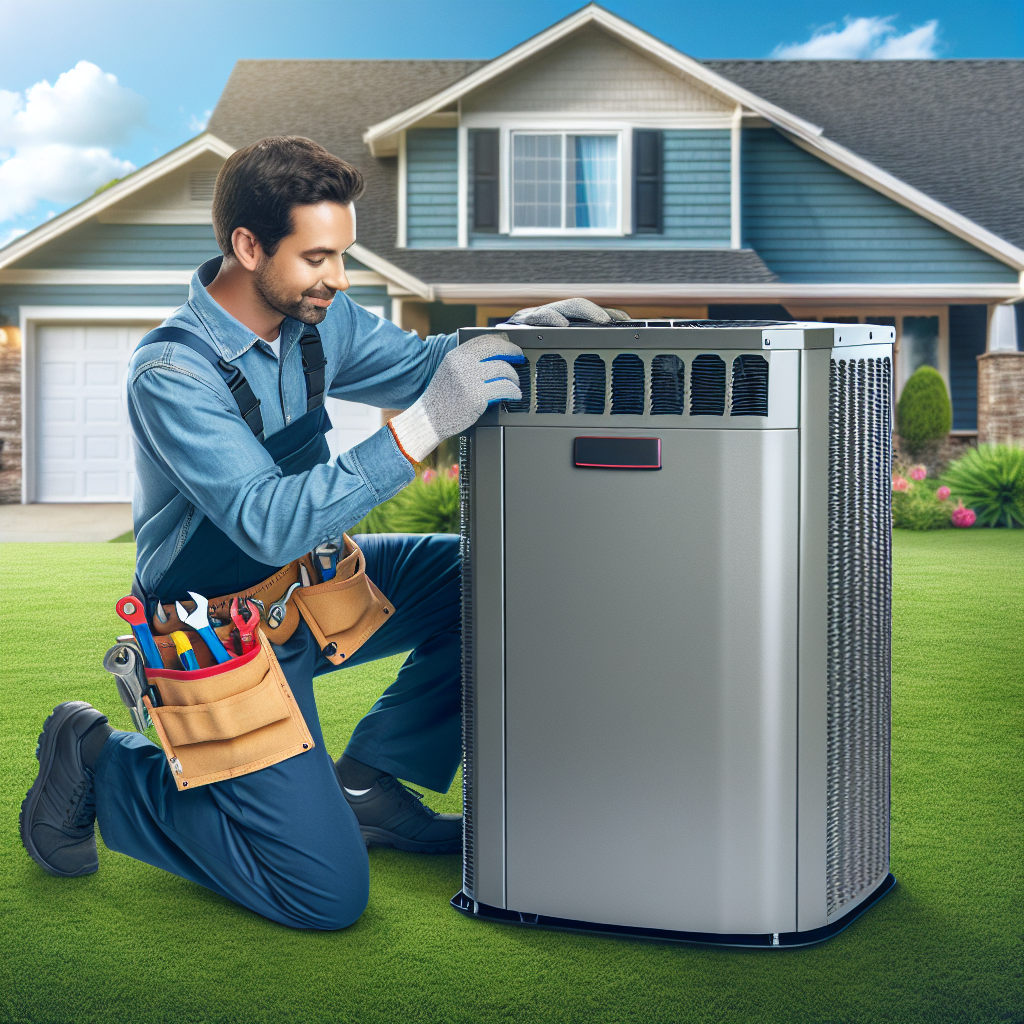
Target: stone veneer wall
1001, 397
10, 415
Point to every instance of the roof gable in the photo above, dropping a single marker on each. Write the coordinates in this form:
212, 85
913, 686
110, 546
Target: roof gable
594, 72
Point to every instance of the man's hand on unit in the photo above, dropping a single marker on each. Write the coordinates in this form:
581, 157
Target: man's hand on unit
469, 379
559, 314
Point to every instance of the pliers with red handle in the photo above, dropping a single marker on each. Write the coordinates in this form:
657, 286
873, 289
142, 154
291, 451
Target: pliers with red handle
246, 629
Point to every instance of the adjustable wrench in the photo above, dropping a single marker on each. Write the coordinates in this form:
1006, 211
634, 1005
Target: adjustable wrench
124, 662
278, 610
200, 622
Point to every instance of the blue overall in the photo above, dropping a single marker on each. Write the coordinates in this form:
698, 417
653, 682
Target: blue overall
283, 841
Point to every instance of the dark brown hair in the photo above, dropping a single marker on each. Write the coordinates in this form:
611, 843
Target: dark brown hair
258, 186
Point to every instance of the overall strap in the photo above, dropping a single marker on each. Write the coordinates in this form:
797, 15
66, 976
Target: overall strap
314, 366
246, 400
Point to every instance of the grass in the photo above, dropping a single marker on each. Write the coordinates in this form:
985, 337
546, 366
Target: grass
132, 943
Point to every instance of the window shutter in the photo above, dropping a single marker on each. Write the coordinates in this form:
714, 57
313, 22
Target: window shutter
485, 179
648, 175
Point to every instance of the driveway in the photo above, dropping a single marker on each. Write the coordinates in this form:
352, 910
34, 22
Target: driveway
52, 523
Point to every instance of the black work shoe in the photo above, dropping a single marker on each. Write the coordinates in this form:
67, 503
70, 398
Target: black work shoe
58, 815
391, 814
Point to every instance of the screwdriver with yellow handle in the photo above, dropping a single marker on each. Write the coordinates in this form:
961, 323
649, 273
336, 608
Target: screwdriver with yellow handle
187, 657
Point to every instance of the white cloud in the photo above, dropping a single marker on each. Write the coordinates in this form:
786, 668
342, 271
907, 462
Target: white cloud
57, 138
6, 237
865, 39
198, 124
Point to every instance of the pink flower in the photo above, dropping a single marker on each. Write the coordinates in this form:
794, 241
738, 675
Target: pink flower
963, 517
918, 472
900, 483
429, 476
942, 493
453, 472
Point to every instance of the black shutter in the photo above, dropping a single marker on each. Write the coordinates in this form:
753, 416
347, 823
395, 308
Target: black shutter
648, 174
485, 179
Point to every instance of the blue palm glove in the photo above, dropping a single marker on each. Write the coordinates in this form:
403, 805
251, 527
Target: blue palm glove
469, 379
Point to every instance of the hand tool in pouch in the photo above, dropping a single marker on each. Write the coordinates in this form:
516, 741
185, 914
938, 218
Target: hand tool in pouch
132, 611
187, 657
200, 622
246, 629
124, 662
327, 560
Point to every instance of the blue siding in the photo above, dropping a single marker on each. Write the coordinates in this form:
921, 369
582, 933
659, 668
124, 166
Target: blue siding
810, 222
94, 246
696, 202
432, 177
968, 327
696, 196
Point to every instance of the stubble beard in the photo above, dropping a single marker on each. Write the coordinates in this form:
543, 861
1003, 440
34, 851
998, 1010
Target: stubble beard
273, 295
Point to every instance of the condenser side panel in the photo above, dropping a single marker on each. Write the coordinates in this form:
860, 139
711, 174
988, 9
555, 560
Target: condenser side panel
651, 660
483, 666
813, 669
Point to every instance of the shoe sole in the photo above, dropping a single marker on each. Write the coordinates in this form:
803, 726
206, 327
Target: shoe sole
381, 837
45, 748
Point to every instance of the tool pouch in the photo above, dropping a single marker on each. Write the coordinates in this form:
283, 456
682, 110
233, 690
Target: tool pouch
344, 612
227, 720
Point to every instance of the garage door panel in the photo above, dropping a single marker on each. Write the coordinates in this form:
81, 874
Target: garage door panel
83, 439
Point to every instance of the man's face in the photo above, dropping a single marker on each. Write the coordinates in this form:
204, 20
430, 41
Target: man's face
302, 277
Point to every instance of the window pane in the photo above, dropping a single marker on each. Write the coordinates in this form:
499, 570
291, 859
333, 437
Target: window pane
536, 181
592, 185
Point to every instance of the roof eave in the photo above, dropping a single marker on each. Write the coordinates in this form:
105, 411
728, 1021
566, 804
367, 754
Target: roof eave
95, 204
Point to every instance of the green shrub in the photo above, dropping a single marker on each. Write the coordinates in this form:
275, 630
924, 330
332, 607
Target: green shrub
919, 509
990, 480
924, 414
430, 504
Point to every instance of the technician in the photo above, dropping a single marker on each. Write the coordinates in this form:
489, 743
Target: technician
233, 486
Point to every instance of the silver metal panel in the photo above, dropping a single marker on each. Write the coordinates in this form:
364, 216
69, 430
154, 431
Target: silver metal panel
812, 754
485, 796
651, 699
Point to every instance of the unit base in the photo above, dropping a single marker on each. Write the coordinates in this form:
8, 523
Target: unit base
465, 905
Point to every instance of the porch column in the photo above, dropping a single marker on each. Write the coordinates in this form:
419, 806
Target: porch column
1001, 381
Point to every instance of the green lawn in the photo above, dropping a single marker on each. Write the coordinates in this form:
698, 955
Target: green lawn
132, 943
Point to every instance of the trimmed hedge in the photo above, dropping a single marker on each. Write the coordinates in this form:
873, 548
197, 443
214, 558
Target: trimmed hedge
924, 414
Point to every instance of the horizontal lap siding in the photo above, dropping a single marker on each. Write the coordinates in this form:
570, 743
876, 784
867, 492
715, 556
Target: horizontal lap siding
94, 246
810, 222
432, 176
696, 188
14, 296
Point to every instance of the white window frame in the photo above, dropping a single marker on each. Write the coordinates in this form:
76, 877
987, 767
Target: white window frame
506, 198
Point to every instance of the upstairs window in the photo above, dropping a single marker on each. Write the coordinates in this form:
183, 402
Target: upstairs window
565, 183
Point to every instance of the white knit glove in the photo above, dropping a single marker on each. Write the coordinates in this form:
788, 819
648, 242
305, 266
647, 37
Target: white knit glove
469, 379
558, 314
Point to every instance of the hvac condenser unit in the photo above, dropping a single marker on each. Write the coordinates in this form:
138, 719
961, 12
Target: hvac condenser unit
676, 626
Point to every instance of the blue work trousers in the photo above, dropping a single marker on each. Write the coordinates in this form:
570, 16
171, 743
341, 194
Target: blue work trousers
283, 841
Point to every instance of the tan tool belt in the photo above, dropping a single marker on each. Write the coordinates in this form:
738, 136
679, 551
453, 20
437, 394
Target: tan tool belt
226, 720
231, 719
345, 611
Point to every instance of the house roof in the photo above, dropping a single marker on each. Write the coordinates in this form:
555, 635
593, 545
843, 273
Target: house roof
889, 112
951, 128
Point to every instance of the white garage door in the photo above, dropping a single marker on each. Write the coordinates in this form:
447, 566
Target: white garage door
82, 437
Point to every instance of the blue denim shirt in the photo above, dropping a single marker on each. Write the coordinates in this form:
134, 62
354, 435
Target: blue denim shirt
195, 456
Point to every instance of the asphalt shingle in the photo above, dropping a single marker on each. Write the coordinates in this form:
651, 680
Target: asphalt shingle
949, 128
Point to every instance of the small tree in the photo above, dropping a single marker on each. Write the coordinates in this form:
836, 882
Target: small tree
924, 415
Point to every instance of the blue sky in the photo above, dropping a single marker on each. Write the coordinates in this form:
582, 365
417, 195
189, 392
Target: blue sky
154, 69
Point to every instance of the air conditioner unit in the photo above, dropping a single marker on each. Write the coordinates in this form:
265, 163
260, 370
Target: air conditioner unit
676, 632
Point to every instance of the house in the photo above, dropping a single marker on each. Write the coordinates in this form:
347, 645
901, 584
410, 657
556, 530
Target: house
592, 159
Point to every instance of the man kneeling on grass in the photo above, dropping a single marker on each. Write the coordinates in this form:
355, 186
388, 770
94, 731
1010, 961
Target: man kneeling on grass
235, 489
